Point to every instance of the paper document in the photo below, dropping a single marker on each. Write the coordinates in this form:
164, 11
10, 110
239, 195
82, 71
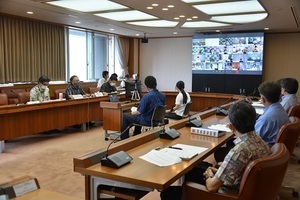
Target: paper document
257, 104
161, 159
170, 156
220, 127
185, 152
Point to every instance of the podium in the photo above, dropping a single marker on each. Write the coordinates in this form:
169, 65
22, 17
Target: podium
113, 115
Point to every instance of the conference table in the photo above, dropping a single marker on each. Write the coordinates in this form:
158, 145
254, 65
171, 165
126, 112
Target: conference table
141, 174
27, 119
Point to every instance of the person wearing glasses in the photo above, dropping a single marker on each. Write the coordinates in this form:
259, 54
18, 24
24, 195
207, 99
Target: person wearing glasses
74, 87
40, 92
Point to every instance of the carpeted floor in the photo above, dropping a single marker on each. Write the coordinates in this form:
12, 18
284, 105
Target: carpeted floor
49, 157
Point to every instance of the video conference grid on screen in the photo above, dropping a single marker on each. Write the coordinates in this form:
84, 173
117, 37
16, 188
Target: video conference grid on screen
240, 53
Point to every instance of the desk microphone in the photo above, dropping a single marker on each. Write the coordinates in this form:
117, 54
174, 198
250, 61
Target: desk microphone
118, 159
222, 111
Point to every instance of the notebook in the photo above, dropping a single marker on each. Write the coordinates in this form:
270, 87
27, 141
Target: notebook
113, 97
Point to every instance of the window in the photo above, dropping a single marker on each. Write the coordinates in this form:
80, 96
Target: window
88, 54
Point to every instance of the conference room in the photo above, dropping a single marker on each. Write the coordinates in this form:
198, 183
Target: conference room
58, 39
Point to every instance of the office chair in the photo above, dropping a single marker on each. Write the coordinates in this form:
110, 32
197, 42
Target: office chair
262, 179
157, 118
3, 99
93, 90
186, 112
288, 135
23, 97
295, 112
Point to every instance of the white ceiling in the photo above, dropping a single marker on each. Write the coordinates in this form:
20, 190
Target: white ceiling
283, 16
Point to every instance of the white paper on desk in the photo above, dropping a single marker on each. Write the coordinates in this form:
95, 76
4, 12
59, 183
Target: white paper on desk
190, 150
257, 104
220, 127
160, 158
133, 109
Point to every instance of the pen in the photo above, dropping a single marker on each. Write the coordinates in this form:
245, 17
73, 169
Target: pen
174, 148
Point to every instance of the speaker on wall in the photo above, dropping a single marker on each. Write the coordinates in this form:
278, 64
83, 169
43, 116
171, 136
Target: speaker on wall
144, 40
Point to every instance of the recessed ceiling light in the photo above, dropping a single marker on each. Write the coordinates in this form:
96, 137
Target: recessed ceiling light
149, 8
126, 15
230, 7
189, 19
154, 4
165, 9
111, 29
175, 33
218, 31
137, 34
155, 23
181, 16
171, 6
202, 24
77, 22
176, 18
266, 28
30, 13
195, 17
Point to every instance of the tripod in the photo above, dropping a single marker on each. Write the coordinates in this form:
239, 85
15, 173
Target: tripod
135, 94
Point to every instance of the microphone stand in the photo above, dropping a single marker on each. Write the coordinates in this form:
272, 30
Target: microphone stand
118, 159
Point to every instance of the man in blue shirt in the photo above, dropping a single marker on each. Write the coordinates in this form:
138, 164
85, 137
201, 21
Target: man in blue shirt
144, 112
268, 124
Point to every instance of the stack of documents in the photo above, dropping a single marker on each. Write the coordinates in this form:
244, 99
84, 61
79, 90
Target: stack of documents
172, 154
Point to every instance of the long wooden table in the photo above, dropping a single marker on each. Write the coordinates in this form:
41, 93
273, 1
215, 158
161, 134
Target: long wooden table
140, 172
23, 120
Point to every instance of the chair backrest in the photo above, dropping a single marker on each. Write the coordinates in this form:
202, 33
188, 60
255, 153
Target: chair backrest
23, 97
57, 91
93, 90
289, 133
186, 112
158, 115
294, 111
3, 99
263, 177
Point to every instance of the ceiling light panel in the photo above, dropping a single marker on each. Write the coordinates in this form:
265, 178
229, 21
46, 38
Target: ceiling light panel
88, 5
202, 24
230, 7
248, 18
155, 23
126, 15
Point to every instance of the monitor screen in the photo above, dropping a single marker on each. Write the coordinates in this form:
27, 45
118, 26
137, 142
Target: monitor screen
234, 53
131, 86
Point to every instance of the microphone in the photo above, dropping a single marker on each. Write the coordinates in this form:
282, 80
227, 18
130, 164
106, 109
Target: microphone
118, 159
222, 111
194, 122
252, 94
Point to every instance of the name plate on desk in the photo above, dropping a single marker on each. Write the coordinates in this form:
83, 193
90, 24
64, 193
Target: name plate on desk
20, 187
76, 96
207, 132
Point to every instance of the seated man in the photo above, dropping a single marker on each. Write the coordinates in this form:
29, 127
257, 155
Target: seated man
74, 87
248, 147
268, 124
144, 112
40, 92
103, 80
289, 88
109, 86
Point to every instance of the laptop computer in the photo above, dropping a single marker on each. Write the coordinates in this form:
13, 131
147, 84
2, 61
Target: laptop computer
113, 97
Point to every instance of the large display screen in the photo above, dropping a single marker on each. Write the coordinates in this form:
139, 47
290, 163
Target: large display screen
234, 53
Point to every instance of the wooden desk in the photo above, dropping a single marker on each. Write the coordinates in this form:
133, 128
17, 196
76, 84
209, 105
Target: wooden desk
140, 172
42, 194
112, 115
23, 120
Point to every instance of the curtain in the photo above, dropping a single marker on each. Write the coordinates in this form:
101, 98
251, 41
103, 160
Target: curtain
29, 49
122, 49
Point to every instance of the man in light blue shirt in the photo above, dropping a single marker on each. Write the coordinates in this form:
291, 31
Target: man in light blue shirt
289, 88
267, 125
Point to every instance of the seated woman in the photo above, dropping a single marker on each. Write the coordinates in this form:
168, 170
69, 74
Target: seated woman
181, 100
